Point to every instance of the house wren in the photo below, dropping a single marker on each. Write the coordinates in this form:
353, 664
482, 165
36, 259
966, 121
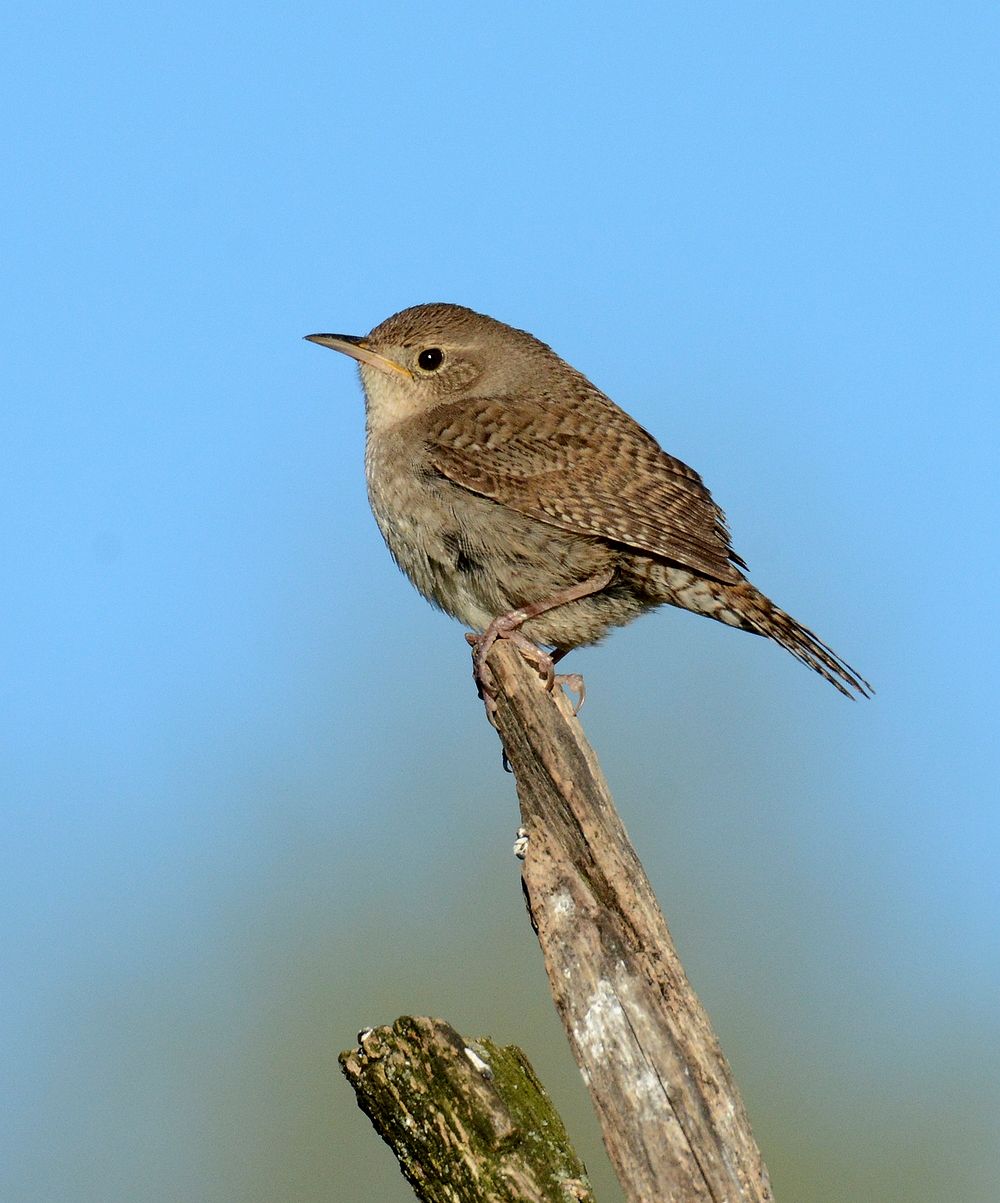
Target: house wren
525, 503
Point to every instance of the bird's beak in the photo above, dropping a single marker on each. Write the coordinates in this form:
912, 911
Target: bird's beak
359, 349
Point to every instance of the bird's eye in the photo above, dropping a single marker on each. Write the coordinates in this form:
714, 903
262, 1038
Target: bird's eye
431, 359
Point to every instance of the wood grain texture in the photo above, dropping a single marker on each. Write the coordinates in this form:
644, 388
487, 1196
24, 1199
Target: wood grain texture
673, 1121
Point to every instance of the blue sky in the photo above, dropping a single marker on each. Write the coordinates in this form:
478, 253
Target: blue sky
250, 803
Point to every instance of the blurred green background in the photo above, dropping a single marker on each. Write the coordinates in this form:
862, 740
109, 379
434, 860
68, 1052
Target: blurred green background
250, 802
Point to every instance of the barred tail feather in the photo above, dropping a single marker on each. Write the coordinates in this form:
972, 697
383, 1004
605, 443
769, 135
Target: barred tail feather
764, 617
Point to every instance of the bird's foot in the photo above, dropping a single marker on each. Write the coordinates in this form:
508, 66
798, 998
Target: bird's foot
507, 627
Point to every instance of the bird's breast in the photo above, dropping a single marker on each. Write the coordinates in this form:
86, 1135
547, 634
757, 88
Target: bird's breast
424, 520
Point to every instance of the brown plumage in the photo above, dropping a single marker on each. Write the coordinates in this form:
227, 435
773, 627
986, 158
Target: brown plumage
501, 478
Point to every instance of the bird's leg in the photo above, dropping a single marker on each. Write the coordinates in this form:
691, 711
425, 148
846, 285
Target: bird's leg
508, 626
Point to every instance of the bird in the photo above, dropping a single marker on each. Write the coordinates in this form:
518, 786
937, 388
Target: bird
521, 500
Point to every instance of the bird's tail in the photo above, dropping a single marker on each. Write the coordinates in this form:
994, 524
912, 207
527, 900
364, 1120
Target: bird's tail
758, 613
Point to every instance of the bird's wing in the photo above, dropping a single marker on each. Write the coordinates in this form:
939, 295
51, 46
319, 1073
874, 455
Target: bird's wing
590, 469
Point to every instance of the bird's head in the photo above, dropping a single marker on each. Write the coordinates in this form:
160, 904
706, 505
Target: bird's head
432, 354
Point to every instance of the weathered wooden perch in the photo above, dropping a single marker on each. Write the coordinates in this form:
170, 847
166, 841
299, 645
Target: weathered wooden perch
673, 1121
672, 1118
468, 1121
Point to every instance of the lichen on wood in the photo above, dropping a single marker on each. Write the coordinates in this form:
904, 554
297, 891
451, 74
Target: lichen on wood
468, 1120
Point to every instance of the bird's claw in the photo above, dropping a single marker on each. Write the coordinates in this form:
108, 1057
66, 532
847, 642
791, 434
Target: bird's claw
482, 674
573, 683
